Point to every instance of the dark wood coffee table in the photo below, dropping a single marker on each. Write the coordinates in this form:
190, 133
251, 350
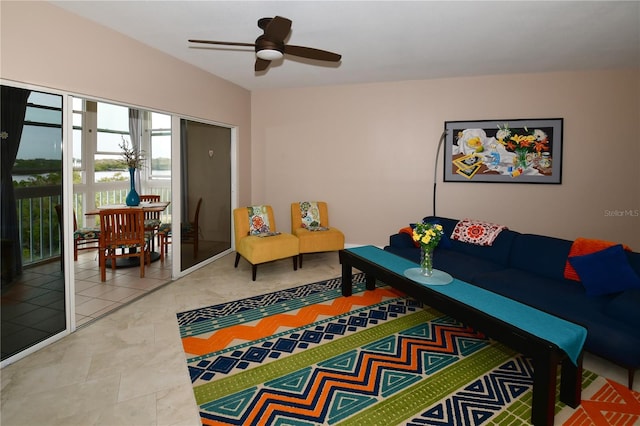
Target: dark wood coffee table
546, 355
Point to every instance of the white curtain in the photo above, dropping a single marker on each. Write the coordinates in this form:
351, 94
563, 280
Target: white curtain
135, 131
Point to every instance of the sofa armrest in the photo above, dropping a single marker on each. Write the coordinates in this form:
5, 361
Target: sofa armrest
401, 240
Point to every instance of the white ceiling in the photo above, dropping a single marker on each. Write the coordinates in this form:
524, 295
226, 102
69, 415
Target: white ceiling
384, 40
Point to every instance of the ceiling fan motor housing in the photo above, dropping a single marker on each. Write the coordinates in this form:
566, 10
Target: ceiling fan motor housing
269, 49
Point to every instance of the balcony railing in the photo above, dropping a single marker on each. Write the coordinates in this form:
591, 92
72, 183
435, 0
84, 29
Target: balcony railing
38, 229
38, 226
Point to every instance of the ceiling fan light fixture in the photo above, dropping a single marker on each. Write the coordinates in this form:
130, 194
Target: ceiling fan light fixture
270, 46
269, 54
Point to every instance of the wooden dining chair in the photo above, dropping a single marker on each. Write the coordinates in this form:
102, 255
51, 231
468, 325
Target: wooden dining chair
164, 239
122, 235
190, 231
151, 218
83, 238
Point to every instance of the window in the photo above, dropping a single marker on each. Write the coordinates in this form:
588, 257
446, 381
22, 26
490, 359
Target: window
112, 129
38, 161
100, 175
160, 146
98, 150
78, 115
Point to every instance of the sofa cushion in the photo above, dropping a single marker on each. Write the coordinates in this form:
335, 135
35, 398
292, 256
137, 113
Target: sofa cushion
625, 307
536, 290
540, 255
634, 260
462, 266
448, 224
605, 271
607, 336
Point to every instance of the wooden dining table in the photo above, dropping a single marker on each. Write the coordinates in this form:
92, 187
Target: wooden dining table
159, 206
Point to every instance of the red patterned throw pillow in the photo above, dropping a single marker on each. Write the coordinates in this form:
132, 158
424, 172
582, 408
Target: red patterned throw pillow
476, 232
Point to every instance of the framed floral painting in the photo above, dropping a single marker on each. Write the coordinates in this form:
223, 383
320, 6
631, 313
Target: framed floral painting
504, 151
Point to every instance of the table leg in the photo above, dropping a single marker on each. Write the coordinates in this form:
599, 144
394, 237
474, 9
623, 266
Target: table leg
544, 390
370, 281
571, 383
347, 276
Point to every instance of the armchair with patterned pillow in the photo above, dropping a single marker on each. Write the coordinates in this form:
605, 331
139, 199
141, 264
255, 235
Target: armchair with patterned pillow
257, 239
310, 223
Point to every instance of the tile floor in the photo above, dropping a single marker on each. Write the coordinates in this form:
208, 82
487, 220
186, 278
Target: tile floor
128, 367
95, 298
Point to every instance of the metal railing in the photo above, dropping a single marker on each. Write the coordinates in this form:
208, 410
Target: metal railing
38, 224
38, 228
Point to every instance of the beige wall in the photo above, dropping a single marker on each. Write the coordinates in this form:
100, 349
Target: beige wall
366, 149
369, 151
44, 45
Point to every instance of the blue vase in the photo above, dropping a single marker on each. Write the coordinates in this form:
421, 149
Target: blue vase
133, 199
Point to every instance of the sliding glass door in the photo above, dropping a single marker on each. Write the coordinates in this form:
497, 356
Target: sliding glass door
33, 283
205, 152
37, 296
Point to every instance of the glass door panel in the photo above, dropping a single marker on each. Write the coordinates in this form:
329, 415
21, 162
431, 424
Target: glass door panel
33, 286
206, 175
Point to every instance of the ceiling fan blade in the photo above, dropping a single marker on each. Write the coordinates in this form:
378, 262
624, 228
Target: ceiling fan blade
311, 53
225, 43
270, 45
278, 29
261, 64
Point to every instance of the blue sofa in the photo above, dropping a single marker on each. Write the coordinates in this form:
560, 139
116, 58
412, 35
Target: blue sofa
530, 269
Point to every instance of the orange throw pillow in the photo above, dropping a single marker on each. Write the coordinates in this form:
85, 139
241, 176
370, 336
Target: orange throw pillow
582, 246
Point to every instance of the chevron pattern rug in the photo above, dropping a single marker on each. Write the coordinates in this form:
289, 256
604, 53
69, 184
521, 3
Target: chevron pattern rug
308, 356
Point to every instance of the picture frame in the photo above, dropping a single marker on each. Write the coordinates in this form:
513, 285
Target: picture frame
504, 151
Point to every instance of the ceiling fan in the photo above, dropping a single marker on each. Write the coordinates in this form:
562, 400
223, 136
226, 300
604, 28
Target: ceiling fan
270, 46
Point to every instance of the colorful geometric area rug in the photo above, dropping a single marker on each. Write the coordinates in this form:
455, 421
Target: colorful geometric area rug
308, 356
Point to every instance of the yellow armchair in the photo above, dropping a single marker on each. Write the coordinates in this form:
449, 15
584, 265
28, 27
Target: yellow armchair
310, 223
264, 247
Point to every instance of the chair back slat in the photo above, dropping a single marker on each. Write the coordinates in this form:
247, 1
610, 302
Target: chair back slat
148, 198
122, 227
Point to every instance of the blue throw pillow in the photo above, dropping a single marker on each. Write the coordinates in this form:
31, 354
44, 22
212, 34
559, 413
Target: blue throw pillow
606, 271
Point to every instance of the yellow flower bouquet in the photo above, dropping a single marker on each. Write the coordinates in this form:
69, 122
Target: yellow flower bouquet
428, 236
